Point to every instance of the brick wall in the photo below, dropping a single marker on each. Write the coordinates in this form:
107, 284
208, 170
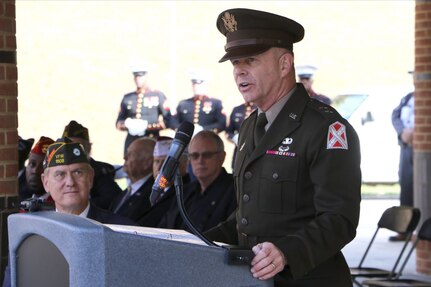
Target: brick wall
422, 136
8, 101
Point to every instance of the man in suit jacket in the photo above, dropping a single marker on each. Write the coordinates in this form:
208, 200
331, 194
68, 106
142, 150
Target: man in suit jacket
297, 172
138, 164
153, 215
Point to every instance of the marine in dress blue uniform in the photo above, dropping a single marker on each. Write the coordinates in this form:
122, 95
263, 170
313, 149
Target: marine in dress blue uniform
205, 112
305, 75
143, 104
298, 187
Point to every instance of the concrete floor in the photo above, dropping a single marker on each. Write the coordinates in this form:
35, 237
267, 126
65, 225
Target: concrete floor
383, 253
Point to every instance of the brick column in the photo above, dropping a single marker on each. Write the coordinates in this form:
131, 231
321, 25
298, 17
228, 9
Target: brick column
422, 133
8, 100
8, 123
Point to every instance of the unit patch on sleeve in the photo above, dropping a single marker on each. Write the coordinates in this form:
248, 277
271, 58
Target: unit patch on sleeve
337, 138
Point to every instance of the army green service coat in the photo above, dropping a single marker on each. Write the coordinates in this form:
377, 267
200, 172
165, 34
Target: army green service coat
299, 189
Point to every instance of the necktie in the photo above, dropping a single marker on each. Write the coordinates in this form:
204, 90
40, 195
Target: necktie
259, 129
124, 199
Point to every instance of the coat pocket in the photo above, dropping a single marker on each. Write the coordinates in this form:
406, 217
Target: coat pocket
278, 185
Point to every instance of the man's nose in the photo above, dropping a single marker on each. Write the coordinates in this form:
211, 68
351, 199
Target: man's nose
70, 180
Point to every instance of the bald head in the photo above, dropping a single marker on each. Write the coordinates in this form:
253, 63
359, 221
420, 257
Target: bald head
138, 161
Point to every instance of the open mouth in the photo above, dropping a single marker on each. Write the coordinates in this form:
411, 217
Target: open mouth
243, 85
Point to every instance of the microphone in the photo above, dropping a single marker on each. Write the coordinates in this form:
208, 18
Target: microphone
170, 165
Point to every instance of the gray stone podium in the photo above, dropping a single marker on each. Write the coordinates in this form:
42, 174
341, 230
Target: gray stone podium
54, 249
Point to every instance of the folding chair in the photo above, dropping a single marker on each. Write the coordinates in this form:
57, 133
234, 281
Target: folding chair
401, 219
423, 234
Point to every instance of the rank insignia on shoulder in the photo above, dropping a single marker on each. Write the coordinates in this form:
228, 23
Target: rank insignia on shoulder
326, 109
337, 137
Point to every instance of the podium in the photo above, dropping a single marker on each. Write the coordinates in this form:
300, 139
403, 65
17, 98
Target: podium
55, 249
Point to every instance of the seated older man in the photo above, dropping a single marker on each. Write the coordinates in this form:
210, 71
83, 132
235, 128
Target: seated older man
138, 163
154, 214
68, 177
211, 198
104, 189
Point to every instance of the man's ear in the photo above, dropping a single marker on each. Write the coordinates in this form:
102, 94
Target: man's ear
44, 181
286, 63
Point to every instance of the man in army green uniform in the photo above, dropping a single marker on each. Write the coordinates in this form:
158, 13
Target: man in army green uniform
297, 172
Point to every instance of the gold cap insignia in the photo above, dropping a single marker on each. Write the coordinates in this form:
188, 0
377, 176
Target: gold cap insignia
229, 22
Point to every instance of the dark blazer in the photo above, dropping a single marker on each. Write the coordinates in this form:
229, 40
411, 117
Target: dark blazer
136, 205
297, 193
104, 189
108, 217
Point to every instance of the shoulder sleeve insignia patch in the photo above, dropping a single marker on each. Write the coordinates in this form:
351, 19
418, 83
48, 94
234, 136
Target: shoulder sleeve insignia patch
337, 138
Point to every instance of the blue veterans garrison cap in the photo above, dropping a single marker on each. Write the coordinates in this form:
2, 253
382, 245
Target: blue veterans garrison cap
64, 152
252, 32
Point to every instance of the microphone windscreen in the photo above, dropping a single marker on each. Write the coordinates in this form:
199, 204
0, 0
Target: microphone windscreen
185, 132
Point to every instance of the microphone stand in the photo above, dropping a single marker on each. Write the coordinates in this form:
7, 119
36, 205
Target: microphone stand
178, 182
236, 255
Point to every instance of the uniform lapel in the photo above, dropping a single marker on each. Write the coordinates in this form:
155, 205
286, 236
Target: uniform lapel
245, 143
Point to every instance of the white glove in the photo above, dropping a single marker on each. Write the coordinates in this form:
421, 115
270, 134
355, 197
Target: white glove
235, 139
198, 128
136, 127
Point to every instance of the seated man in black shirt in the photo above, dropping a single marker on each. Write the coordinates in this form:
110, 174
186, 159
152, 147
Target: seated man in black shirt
211, 198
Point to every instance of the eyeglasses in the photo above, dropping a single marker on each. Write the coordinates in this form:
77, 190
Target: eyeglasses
204, 155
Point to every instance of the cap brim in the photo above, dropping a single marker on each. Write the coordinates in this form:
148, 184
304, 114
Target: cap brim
242, 52
141, 73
